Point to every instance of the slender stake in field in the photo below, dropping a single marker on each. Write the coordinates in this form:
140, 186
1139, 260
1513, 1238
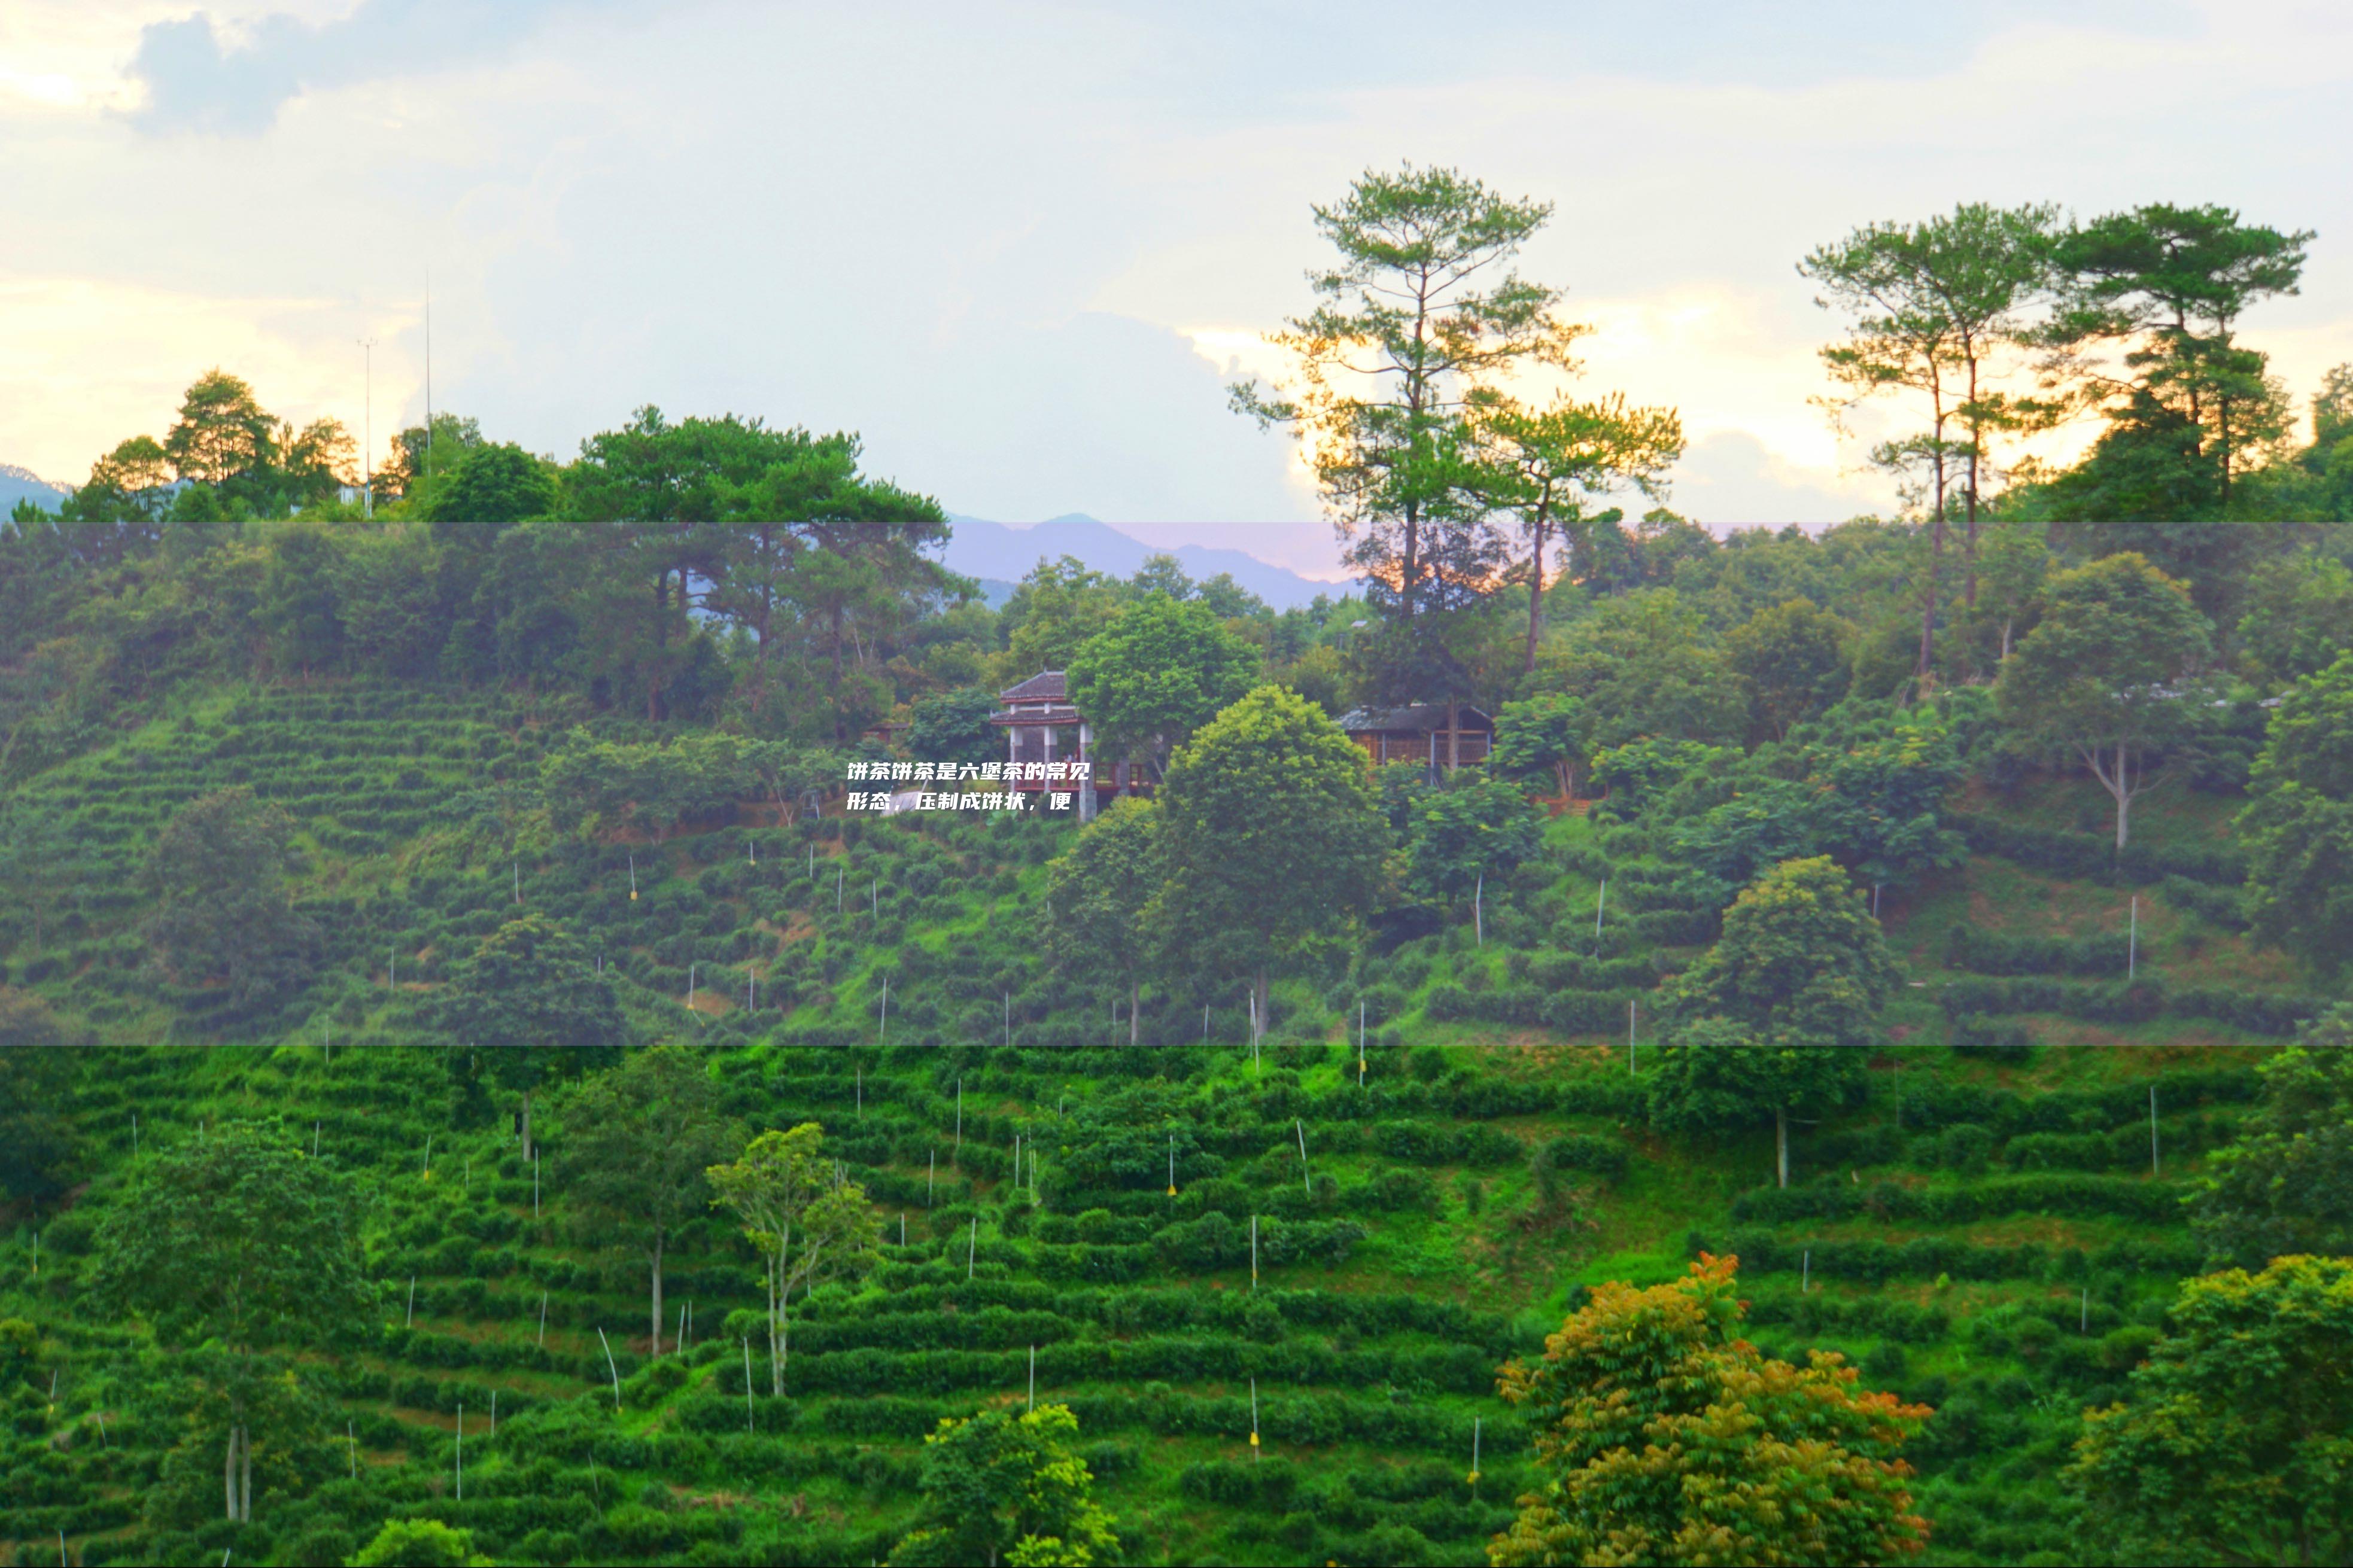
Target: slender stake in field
610, 1367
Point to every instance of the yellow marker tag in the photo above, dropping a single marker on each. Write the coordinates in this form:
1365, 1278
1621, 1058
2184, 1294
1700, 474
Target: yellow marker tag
1254, 1439
1172, 1192
1474, 1477
633, 895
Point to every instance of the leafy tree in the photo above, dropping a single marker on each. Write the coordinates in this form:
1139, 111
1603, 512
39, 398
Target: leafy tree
1639, 774
1934, 304
637, 1141
234, 1248
2167, 284
301, 608
1794, 658
1159, 671
1474, 830
218, 875
657, 785
1550, 463
953, 727
2013, 562
1098, 895
2286, 1185
848, 555
1864, 785
804, 1220
1548, 735
1400, 311
1004, 1488
1274, 840
530, 1006
2298, 823
419, 1543
1644, 666
422, 457
1054, 612
492, 484
1780, 1013
223, 433
2299, 608
37, 1062
2231, 1445
2105, 674
795, 777
1661, 1435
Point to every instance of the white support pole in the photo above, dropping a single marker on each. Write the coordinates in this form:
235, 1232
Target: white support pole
542, 1319
1253, 1420
748, 1367
1033, 1377
610, 1367
1600, 904
352, 1435
972, 1247
411, 1320
1253, 1252
1478, 910
2132, 943
1805, 1272
1300, 1128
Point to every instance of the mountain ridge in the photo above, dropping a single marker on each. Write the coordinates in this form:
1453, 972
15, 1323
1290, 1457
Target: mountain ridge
1005, 552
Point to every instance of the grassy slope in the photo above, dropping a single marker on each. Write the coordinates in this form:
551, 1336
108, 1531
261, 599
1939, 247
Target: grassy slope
1370, 1371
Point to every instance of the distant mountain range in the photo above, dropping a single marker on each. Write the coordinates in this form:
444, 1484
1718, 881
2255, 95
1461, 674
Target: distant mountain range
22, 484
1001, 554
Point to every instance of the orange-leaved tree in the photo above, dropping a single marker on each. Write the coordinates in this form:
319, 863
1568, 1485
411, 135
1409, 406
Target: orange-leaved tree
1663, 1437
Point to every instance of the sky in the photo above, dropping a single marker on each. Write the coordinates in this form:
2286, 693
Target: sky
1023, 249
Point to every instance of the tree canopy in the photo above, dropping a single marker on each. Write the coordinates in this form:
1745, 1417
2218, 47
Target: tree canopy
1661, 1435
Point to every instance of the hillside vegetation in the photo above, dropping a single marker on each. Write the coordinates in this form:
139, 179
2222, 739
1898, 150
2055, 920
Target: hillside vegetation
1984, 1232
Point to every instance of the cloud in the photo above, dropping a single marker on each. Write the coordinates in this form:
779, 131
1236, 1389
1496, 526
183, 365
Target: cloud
196, 78
1732, 479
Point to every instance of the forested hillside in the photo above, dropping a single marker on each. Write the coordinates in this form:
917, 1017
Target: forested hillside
1857, 1072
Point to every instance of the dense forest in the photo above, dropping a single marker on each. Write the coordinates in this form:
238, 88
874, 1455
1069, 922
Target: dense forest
1859, 1069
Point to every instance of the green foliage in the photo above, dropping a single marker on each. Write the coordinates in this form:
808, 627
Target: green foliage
529, 1006
1643, 668
1474, 828
1273, 839
1000, 1486
1662, 1436
2297, 609
1637, 773
418, 1544
37, 1140
1780, 1011
635, 1143
1548, 735
1158, 672
2231, 1444
2286, 1187
2107, 674
953, 727
1099, 894
2299, 825
1794, 658
217, 876
493, 484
